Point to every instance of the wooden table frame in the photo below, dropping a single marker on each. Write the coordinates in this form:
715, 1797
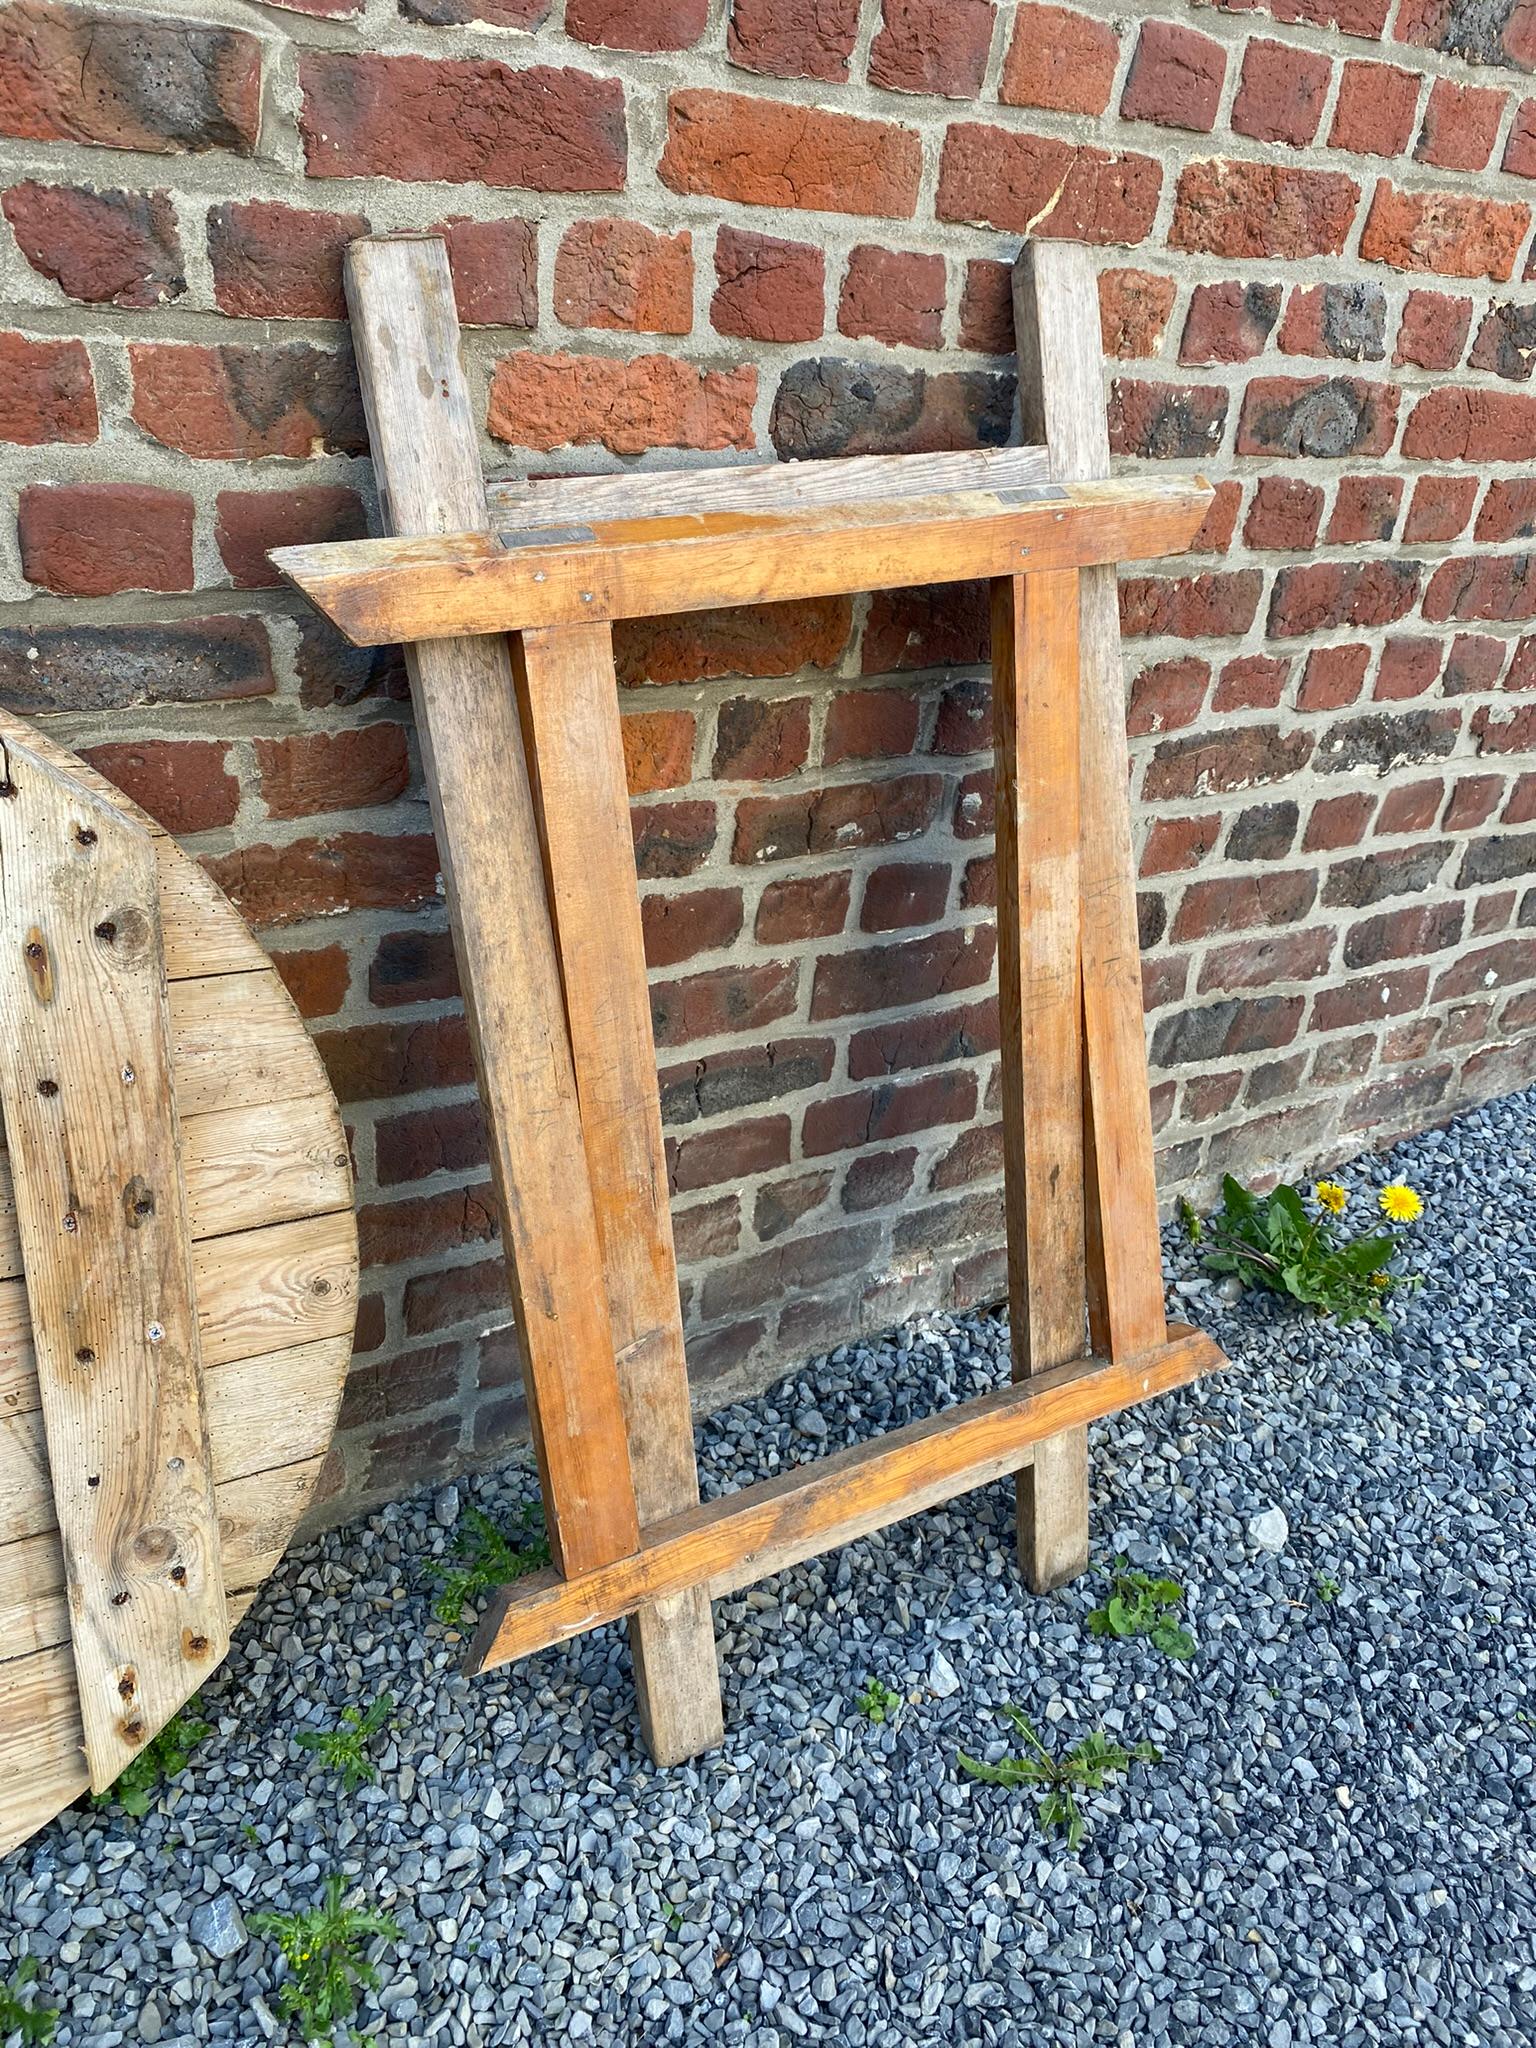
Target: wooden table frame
504, 595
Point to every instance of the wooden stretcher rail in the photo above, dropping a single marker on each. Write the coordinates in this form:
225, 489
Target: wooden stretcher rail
730, 1543
433, 588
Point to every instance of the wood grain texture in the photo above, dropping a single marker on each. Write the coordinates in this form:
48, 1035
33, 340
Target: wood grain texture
1035, 714
727, 1544
472, 582
1057, 322
570, 709
426, 458
91, 1133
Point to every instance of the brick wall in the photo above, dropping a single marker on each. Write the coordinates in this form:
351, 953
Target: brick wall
789, 231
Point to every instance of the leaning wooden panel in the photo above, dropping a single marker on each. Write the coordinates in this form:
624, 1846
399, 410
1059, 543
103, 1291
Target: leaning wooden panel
269, 1191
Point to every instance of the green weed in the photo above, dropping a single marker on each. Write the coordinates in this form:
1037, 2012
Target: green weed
1271, 1241
1327, 1589
165, 1756
34, 2023
1139, 1605
323, 1948
484, 1556
877, 1702
1086, 1767
345, 1748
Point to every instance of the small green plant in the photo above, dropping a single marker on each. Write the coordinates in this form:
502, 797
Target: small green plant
484, 1556
1086, 1767
1271, 1241
322, 1946
673, 1917
1327, 1589
877, 1702
34, 2023
345, 1748
164, 1757
1139, 1605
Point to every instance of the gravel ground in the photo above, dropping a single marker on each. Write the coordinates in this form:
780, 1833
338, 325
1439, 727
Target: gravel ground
1338, 1845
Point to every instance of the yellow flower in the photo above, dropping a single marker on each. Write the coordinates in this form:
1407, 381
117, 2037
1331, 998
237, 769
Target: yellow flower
1381, 1278
1331, 1196
1400, 1203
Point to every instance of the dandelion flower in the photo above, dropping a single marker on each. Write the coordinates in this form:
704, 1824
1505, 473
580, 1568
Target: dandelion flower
1400, 1203
1331, 1196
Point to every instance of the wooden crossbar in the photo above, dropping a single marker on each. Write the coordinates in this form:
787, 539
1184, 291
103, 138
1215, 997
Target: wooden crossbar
505, 595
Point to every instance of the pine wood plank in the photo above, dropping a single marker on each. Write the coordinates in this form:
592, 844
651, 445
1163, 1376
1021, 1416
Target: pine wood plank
761, 486
727, 1544
426, 456
1060, 363
570, 706
1035, 716
85, 1086
471, 582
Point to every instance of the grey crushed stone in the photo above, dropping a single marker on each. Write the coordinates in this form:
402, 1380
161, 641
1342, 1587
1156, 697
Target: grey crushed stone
1339, 1845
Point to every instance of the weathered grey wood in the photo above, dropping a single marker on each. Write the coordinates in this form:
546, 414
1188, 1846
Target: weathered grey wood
101, 1214
426, 458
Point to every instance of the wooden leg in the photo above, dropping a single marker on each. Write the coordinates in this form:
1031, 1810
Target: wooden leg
570, 708
1035, 711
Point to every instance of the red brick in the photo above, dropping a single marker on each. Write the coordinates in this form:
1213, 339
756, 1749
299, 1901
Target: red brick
904, 893
1261, 962
1253, 682
1167, 695
1365, 509
794, 38
1237, 902
461, 121
1227, 1030
1346, 320
1501, 34
1174, 844
1513, 960
1244, 210
1041, 185
1237, 759
89, 540
495, 270
46, 392
317, 977
893, 1110
1220, 522
1281, 93
127, 81
775, 153
1133, 311
1474, 663
1208, 1095
1175, 78
1454, 234
926, 1038
932, 46
1333, 677
1401, 934
448, 1138
1370, 999
737, 1077
417, 1226
802, 907
436, 1301
1408, 667
395, 1387
278, 885
564, 401
743, 640
183, 784
1317, 416
724, 999
1411, 807
1228, 323
1434, 330
876, 1180
374, 1062
759, 740
247, 402
768, 290
1165, 422
1375, 109
1520, 150
106, 248
1059, 59
753, 1145
908, 971
279, 262
1515, 734
637, 24
1285, 513
832, 405
1461, 125
250, 523
618, 274
1440, 508
1191, 607
672, 839
1521, 808
835, 820
936, 625
978, 885
658, 750
1522, 669
707, 1230
894, 296
103, 668
1338, 821
1483, 587
986, 307
1508, 510
1452, 425
869, 725
1472, 801
413, 967
332, 771
1325, 596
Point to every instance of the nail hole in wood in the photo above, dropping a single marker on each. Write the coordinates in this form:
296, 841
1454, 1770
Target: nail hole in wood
196, 1646
94, 1480
49, 1088
120, 1599
125, 1686
7, 787
85, 1355
84, 836
179, 1574
106, 931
